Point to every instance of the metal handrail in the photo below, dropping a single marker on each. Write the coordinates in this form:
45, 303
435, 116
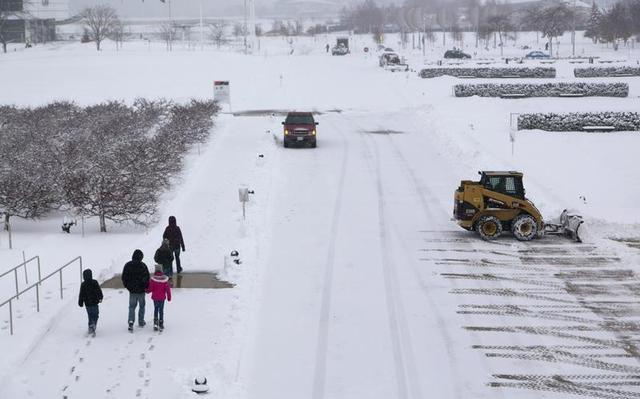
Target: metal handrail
36, 286
26, 278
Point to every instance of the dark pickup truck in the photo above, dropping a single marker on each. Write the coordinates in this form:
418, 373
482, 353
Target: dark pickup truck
299, 129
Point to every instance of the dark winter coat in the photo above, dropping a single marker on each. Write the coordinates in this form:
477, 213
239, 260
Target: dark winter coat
135, 275
173, 234
164, 255
90, 292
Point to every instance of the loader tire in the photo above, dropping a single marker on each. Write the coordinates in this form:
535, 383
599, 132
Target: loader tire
524, 227
489, 227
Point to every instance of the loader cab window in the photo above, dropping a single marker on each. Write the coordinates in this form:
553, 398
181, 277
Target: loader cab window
509, 185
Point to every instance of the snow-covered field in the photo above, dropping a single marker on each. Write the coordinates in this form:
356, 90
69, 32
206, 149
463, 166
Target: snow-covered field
354, 283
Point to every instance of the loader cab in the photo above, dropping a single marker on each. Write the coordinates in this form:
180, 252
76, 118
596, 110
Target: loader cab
508, 183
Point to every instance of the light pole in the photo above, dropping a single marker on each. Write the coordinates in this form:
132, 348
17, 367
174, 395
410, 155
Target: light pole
201, 29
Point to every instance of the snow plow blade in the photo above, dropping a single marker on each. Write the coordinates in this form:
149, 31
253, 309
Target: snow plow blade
568, 225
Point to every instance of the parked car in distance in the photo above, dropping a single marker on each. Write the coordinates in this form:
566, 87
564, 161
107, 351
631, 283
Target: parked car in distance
536, 55
456, 53
340, 49
392, 62
299, 128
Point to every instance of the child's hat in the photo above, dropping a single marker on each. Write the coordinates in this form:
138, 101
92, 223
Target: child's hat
158, 268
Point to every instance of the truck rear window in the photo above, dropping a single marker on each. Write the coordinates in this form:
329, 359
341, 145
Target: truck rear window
299, 120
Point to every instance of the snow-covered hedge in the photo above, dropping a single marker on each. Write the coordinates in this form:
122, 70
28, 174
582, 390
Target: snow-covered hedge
519, 72
580, 121
542, 90
109, 160
603, 72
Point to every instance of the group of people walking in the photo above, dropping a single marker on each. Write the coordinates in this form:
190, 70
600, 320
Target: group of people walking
137, 280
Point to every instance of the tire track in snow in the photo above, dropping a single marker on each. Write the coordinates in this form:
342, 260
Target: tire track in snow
320, 373
405, 369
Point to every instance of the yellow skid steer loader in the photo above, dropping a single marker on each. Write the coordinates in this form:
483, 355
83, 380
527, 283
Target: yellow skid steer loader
497, 203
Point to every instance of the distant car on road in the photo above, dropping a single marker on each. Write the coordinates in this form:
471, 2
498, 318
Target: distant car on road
299, 128
392, 62
456, 53
536, 55
339, 50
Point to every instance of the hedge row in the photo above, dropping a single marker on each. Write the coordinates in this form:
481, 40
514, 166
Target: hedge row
517, 72
604, 72
577, 121
542, 90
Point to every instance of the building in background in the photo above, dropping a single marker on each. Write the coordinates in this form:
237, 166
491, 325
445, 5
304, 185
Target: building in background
32, 21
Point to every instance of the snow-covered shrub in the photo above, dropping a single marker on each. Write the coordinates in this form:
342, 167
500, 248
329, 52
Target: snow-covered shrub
542, 89
108, 160
602, 72
577, 121
516, 72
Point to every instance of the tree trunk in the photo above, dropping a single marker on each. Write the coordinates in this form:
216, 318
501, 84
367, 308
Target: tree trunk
6, 221
103, 223
98, 44
550, 47
4, 47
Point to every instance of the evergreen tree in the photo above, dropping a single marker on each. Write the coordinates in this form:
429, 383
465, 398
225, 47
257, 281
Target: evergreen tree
593, 24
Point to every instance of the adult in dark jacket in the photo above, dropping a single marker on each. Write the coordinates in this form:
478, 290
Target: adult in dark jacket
90, 296
164, 257
135, 278
174, 235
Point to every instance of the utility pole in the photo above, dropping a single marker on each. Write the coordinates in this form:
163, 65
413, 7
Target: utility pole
573, 33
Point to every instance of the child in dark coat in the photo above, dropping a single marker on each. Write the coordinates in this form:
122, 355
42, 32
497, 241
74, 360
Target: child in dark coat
164, 256
90, 296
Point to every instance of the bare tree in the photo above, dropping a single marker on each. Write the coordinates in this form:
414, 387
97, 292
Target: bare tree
168, 32
501, 24
7, 10
117, 33
554, 20
217, 33
3, 18
238, 30
100, 21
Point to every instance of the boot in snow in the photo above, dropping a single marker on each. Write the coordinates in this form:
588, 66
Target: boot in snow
161, 325
131, 326
155, 325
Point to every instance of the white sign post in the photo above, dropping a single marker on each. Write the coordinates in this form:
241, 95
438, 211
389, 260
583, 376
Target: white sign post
222, 92
243, 193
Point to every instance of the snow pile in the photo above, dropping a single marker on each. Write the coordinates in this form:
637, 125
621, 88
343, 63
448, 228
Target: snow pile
596, 72
576, 121
521, 72
542, 90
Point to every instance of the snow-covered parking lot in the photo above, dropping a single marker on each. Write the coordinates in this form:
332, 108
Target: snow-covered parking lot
354, 282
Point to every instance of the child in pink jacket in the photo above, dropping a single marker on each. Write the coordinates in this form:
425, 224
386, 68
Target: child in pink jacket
160, 290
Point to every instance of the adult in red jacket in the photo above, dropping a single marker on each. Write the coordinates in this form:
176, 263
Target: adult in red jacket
174, 235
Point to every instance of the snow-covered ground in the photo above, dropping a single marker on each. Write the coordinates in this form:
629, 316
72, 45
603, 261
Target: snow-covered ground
354, 283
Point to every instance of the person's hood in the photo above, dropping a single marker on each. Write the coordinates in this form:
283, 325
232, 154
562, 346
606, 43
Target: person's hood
172, 220
137, 255
87, 275
159, 277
